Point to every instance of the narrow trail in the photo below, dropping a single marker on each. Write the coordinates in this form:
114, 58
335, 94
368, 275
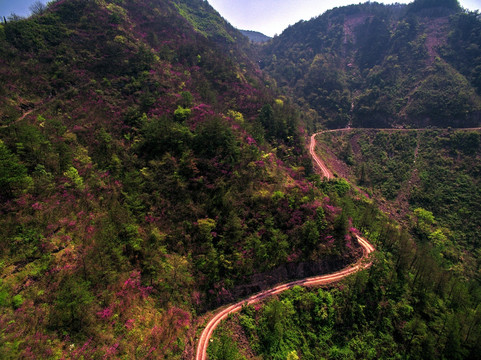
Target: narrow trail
43, 104
223, 313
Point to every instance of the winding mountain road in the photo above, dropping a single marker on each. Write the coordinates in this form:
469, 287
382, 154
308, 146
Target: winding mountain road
325, 170
363, 263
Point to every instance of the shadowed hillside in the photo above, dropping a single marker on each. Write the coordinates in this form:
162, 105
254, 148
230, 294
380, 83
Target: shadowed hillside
374, 65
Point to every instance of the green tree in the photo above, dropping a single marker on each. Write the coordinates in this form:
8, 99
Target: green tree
73, 175
13, 174
72, 304
215, 139
340, 231
293, 355
275, 324
163, 135
181, 114
424, 222
224, 348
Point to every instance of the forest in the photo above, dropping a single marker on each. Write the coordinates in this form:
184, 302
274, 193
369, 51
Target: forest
374, 65
154, 167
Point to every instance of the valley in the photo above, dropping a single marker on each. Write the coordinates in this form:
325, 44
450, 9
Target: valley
170, 188
321, 280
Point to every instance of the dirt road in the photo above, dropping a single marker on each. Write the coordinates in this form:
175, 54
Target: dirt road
206, 335
363, 263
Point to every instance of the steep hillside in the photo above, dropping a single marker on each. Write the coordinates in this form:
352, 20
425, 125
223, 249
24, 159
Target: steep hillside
147, 173
419, 300
374, 65
429, 179
150, 172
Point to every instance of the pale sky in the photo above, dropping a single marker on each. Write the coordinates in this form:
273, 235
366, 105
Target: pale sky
267, 16
273, 16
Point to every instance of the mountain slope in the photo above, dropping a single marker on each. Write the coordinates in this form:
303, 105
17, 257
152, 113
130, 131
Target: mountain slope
376, 65
412, 172
148, 173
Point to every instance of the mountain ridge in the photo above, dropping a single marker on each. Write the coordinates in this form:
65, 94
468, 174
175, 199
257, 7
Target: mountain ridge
380, 65
255, 36
149, 172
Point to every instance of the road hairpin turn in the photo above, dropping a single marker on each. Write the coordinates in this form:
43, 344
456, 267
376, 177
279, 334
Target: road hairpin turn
363, 263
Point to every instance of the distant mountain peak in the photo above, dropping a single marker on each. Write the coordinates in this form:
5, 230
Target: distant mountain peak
255, 36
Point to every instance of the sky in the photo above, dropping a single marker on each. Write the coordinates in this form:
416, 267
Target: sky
271, 17
267, 16
19, 7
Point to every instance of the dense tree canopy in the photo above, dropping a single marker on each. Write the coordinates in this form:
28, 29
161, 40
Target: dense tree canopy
372, 65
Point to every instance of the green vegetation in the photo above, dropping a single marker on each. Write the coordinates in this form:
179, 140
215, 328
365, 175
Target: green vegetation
13, 174
433, 175
383, 160
405, 306
223, 347
150, 172
372, 65
206, 20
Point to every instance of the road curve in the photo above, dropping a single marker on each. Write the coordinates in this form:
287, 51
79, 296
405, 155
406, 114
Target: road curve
317, 160
328, 174
363, 263
312, 151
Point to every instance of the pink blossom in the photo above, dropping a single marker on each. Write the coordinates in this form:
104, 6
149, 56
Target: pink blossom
37, 206
150, 219
105, 313
333, 210
196, 297
182, 317
129, 324
250, 140
145, 290
111, 351
330, 240
293, 257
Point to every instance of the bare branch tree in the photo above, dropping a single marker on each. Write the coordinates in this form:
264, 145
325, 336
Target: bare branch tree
37, 8
14, 17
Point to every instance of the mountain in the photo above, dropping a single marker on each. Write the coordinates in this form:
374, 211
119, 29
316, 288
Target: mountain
416, 172
149, 172
255, 36
373, 65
